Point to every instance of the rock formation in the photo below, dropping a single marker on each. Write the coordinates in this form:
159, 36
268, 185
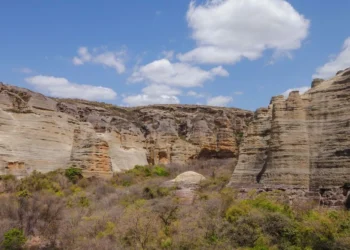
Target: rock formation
185, 184
302, 142
42, 133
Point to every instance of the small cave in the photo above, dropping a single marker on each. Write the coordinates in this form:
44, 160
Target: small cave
347, 203
345, 152
144, 130
206, 154
163, 157
182, 130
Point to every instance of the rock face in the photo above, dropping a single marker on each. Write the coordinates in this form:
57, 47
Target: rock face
302, 142
41, 133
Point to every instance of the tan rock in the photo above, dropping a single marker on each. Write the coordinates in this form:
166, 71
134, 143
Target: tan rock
44, 134
301, 142
186, 184
187, 179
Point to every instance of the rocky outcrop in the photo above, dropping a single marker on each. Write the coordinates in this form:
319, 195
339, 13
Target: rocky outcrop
42, 133
185, 184
302, 142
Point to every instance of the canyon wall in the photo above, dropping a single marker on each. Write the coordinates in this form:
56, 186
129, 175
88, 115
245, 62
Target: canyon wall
301, 142
44, 134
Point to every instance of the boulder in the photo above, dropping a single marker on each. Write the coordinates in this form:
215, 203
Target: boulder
188, 179
186, 184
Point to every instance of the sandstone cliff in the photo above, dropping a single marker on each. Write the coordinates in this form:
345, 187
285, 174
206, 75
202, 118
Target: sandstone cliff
302, 142
42, 133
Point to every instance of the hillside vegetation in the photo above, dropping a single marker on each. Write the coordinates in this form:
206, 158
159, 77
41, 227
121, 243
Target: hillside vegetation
64, 210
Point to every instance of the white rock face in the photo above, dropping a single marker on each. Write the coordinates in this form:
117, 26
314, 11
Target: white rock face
44, 134
35, 136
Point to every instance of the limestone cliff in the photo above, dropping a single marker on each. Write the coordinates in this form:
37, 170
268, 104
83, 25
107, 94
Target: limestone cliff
42, 133
302, 142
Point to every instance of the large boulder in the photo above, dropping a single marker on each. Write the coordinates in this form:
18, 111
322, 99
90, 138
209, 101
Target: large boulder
186, 184
188, 180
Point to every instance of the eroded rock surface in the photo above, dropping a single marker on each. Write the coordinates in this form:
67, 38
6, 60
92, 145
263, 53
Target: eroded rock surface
302, 142
42, 133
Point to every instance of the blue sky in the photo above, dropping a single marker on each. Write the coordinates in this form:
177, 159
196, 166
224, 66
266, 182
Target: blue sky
235, 53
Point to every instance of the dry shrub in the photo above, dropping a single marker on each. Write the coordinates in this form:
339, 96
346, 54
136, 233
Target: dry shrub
139, 228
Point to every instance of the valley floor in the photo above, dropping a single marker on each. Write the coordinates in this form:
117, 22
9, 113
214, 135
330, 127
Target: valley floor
135, 210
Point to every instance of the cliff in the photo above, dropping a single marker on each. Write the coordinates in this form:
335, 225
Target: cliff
42, 133
302, 142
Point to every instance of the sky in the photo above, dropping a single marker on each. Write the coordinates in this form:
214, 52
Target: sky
235, 53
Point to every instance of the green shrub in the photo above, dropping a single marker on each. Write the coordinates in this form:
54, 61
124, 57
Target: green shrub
38, 181
13, 239
7, 177
266, 203
108, 231
73, 174
84, 201
160, 171
143, 171
234, 212
23, 193
166, 243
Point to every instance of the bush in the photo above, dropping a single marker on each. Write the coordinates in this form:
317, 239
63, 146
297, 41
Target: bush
160, 171
73, 174
135, 211
13, 239
7, 177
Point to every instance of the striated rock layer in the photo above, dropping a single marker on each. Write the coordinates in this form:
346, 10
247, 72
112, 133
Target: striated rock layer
41, 133
302, 142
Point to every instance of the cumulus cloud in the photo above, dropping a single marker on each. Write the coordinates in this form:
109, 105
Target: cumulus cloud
301, 90
220, 100
175, 74
340, 62
142, 100
61, 87
168, 54
228, 30
154, 94
109, 59
195, 94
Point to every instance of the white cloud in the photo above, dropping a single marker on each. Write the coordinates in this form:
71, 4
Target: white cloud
109, 59
155, 90
219, 71
301, 90
228, 30
154, 94
168, 54
219, 101
340, 62
175, 74
61, 87
142, 100
195, 94
238, 93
